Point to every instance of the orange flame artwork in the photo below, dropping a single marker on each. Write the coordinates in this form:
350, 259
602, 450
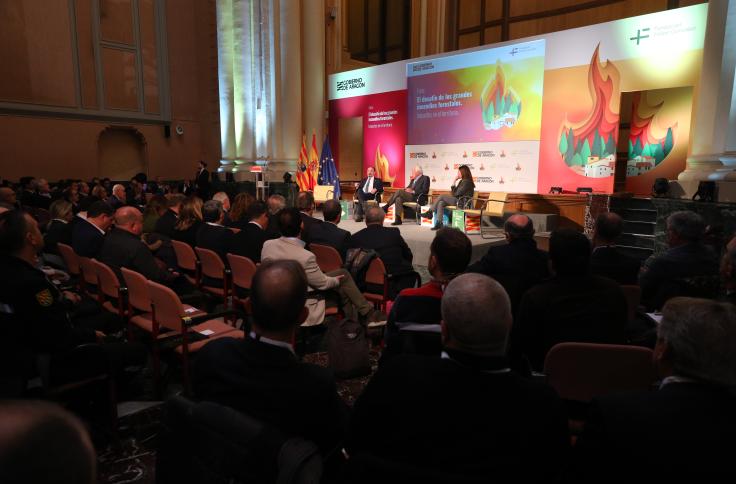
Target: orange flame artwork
381, 165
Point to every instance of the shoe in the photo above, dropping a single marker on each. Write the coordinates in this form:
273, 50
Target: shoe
427, 214
437, 227
359, 219
384, 208
375, 318
396, 222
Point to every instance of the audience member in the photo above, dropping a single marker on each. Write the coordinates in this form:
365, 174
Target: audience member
249, 241
517, 265
687, 268
135, 196
607, 260
225, 201
728, 276
290, 247
329, 233
212, 234
466, 413
276, 203
683, 432
155, 209
449, 255
43, 194
166, 222
572, 306
89, 233
59, 229
118, 197
416, 191
305, 204
370, 188
27, 193
261, 375
190, 219
7, 198
42, 443
239, 212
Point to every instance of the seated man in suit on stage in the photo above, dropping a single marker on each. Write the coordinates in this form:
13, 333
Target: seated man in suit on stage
261, 375
607, 260
305, 204
329, 233
213, 235
369, 188
416, 191
249, 241
517, 265
291, 247
89, 233
465, 413
574, 305
683, 432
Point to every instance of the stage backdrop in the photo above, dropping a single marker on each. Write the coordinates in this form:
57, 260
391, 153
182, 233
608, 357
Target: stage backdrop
556, 127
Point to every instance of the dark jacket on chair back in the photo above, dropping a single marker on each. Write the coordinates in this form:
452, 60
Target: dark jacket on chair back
390, 245
86, 238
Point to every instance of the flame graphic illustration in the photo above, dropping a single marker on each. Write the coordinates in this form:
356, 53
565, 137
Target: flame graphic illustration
649, 145
499, 103
381, 164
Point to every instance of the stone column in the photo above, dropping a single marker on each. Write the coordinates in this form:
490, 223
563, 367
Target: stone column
225, 76
313, 70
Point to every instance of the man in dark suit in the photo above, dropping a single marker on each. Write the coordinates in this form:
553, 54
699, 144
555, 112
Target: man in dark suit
89, 233
261, 375
202, 181
688, 268
607, 260
683, 432
370, 188
329, 233
305, 204
466, 412
416, 191
43, 194
212, 234
517, 265
165, 223
118, 197
572, 306
249, 241
388, 242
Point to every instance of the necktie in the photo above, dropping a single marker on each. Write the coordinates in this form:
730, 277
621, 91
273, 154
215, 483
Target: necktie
368, 183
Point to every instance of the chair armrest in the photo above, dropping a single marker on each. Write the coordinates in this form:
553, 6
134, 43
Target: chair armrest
190, 321
464, 202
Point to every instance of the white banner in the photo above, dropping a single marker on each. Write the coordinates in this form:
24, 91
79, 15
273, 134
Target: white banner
503, 166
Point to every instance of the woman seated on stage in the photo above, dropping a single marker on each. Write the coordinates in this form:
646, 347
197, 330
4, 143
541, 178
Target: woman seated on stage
464, 188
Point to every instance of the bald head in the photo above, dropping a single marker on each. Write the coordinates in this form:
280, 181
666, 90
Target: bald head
518, 226
129, 219
374, 215
476, 314
7, 196
278, 294
608, 226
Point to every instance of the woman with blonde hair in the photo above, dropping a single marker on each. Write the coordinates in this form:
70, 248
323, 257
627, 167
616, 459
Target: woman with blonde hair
59, 230
190, 219
239, 210
155, 207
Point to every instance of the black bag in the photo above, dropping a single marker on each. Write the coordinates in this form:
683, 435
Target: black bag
348, 348
357, 261
706, 192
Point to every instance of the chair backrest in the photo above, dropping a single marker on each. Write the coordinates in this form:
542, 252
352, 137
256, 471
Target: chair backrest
322, 193
376, 273
633, 298
212, 265
109, 282
328, 258
167, 307
186, 259
137, 285
581, 371
89, 271
243, 269
496, 203
70, 258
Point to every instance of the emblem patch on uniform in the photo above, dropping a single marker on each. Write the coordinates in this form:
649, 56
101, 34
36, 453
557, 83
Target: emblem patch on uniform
45, 298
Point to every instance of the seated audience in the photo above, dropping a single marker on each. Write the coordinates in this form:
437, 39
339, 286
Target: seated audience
212, 234
276, 203
688, 268
329, 233
155, 209
728, 276
466, 413
190, 219
607, 260
166, 222
59, 229
572, 306
518, 265
262, 376
225, 201
238, 217
42, 443
305, 204
43, 194
97, 194
249, 241
135, 195
290, 247
27, 194
118, 197
683, 432
449, 255
8, 198
89, 233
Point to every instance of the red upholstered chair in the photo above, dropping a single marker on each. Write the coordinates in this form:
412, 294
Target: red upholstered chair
111, 293
89, 274
71, 261
242, 270
328, 258
170, 313
213, 267
187, 261
376, 276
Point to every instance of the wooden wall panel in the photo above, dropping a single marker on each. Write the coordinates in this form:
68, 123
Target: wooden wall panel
116, 21
86, 54
469, 13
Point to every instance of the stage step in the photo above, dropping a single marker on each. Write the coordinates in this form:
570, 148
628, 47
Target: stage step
637, 214
637, 240
639, 228
636, 252
640, 222
620, 203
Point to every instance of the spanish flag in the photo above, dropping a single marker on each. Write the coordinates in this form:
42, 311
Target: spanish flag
302, 172
313, 162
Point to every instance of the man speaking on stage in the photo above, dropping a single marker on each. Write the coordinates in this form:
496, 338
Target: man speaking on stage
370, 188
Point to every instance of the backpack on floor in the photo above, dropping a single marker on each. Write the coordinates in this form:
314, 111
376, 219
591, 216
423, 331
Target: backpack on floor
357, 261
348, 348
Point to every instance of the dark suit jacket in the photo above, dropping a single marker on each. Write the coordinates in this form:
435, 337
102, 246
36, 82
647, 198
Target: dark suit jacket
115, 202
123, 249
465, 188
517, 266
389, 244
165, 223
308, 222
216, 238
420, 185
203, 184
189, 235
614, 264
683, 432
588, 309
330, 234
271, 384
249, 242
86, 239
448, 415
377, 184
273, 231
57, 232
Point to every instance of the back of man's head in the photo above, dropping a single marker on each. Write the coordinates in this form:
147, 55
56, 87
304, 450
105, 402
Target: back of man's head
42, 443
569, 251
212, 211
99, 208
129, 219
305, 201
374, 216
290, 222
221, 197
608, 227
476, 313
700, 336
519, 226
118, 190
276, 203
175, 200
686, 226
13, 228
331, 211
451, 250
278, 294
256, 210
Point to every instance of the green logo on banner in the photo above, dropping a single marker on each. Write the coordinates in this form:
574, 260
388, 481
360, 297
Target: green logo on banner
638, 36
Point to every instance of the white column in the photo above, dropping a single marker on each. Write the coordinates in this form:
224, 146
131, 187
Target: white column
225, 77
313, 70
